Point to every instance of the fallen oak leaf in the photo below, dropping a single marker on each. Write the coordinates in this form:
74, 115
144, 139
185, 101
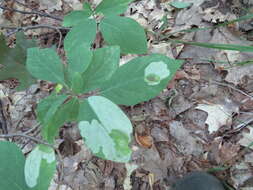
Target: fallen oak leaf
218, 114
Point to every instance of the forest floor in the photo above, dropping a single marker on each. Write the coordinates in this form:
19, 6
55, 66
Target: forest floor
200, 122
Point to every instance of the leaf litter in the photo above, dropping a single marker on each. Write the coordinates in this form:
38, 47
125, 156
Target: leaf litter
201, 121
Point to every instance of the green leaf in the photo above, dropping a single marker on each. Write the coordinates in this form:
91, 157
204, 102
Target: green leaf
105, 128
75, 17
88, 8
14, 59
12, 163
140, 79
22, 44
104, 63
40, 167
112, 7
48, 107
45, 64
83, 33
67, 112
126, 33
180, 5
79, 58
76, 82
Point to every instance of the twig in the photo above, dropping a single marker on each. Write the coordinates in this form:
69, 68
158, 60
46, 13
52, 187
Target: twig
230, 86
32, 129
242, 125
29, 131
22, 4
28, 137
25, 28
31, 13
61, 165
3, 123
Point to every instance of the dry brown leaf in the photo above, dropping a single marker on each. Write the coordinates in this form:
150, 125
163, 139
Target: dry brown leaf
162, 48
235, 74
150, 160
145, 141
180, 74
185, 142
228, 151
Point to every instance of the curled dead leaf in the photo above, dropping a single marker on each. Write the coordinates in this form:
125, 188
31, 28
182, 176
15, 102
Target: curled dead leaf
145, 141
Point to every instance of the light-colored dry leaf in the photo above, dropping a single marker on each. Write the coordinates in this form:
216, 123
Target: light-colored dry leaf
124, 59
162, 47
50, 5
247, 138
74, 4
218, 114
213, 15
130, 167
235, 74
240, 173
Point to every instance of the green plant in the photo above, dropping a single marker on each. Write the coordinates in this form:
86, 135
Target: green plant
116, 30
136, 81
13, 62
87, 92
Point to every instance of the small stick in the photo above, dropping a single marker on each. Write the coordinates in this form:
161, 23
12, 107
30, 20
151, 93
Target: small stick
28, 137
230, 86
3, 123
25, 28
32, 129
31, 13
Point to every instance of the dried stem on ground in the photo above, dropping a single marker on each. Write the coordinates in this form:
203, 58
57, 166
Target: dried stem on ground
33, 12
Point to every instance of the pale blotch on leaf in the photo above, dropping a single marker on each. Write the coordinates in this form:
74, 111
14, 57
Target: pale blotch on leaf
33, 164
32, 167
49, 157
155, 72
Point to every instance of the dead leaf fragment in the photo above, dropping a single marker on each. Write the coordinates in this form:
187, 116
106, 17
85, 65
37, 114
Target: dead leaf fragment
75, 4
51, 5
235, 74
130, 167
150, 160
240, 173
247, 138
145, 141
186, 143
218, 116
